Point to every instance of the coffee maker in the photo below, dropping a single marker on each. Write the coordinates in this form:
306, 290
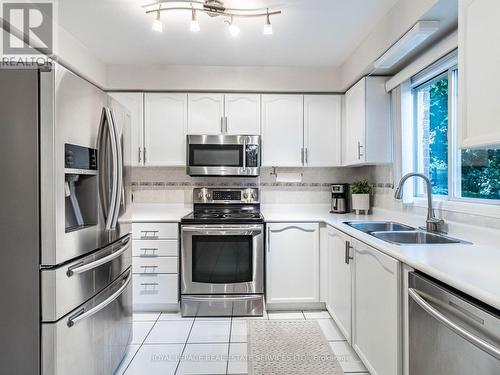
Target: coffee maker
340, 199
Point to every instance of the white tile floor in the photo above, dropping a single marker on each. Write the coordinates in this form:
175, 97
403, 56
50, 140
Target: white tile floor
168, 344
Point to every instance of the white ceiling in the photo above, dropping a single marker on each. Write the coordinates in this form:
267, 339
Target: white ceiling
307, 33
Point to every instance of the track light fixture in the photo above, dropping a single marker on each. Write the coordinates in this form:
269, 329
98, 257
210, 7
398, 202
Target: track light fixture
268, 28
212, 8
195, 25
157, 25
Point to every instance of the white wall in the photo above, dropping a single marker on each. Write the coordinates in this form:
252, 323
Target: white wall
177, 77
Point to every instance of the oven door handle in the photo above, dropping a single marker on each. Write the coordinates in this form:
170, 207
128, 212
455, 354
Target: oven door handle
224, 298
474, 340
224, 230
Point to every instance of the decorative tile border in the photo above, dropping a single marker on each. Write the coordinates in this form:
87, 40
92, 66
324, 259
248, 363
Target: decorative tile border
184, 184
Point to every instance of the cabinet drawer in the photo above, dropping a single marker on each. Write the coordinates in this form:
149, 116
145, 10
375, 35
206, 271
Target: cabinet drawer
155, 248
155, 289
155, 231
155, 265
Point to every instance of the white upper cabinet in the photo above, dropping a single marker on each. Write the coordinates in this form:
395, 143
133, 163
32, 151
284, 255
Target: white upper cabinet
479, 59
165, 129
376, 307
206, 114
134, 103
339, 280
322, 130
367, 131
292, 263
282, 130
242, 114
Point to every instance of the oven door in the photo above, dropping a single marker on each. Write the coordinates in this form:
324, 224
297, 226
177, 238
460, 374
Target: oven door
222, 259
211, 155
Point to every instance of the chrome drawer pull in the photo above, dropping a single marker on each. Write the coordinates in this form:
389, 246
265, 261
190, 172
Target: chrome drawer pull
81, 314
149, 284
145, 251
146, 234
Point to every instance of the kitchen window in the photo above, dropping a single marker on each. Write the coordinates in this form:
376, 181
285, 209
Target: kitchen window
461, 175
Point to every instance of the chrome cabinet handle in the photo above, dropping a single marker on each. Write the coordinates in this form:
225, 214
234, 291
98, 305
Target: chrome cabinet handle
476, 341
347, 256
222, 125
225, 124
268, 240
145, 234
77, 269
359, 150
145, 252
81, 314
149, 284
306, 156
302, 155
145, 268
144, 155
139, 156
225, 298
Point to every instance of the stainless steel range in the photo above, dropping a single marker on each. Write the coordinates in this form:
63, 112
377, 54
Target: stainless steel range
222, 264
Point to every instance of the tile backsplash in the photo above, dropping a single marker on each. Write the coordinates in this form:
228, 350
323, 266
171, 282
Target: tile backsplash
172, 185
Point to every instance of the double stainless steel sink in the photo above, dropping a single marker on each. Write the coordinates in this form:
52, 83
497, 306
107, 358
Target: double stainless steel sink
401, 234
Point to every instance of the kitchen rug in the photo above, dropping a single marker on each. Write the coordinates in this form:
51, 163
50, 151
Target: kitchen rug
290, 347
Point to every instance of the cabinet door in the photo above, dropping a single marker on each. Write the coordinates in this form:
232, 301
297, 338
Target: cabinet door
205, 114
354, 125
282, 130
322, 130
339, 281
134, 102
478, 62
376, 318
242, 114
292, 263
165, 129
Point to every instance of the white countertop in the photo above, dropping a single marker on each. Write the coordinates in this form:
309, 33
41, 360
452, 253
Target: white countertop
473, 269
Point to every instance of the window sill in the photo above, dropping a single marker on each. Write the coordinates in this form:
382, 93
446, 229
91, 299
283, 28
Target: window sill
470, 208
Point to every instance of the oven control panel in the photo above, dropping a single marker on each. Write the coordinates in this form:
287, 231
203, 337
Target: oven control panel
235, 195
225, 195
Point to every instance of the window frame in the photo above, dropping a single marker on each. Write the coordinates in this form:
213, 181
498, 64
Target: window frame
454, 152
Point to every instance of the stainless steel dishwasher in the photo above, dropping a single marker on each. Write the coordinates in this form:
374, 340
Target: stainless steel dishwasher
449, 333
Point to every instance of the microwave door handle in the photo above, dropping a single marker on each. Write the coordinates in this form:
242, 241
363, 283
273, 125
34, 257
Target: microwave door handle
119, 169
244, 154
473, 339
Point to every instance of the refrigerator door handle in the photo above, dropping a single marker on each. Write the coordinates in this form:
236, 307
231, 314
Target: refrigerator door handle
119, 169
81, 268
107, 137
82, 314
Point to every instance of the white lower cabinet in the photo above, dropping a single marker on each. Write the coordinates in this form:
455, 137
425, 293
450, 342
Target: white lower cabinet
155, 266
376, 310
339, 279
292, 263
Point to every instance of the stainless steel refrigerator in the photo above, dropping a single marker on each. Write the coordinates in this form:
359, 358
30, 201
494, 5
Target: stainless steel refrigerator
65, 280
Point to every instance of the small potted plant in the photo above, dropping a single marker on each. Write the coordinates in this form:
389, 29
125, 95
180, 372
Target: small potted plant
361, 196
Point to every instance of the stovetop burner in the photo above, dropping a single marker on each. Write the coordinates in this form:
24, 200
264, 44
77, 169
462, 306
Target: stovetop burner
220, 206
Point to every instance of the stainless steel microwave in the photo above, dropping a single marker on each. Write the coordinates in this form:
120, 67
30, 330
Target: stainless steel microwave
223, 155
